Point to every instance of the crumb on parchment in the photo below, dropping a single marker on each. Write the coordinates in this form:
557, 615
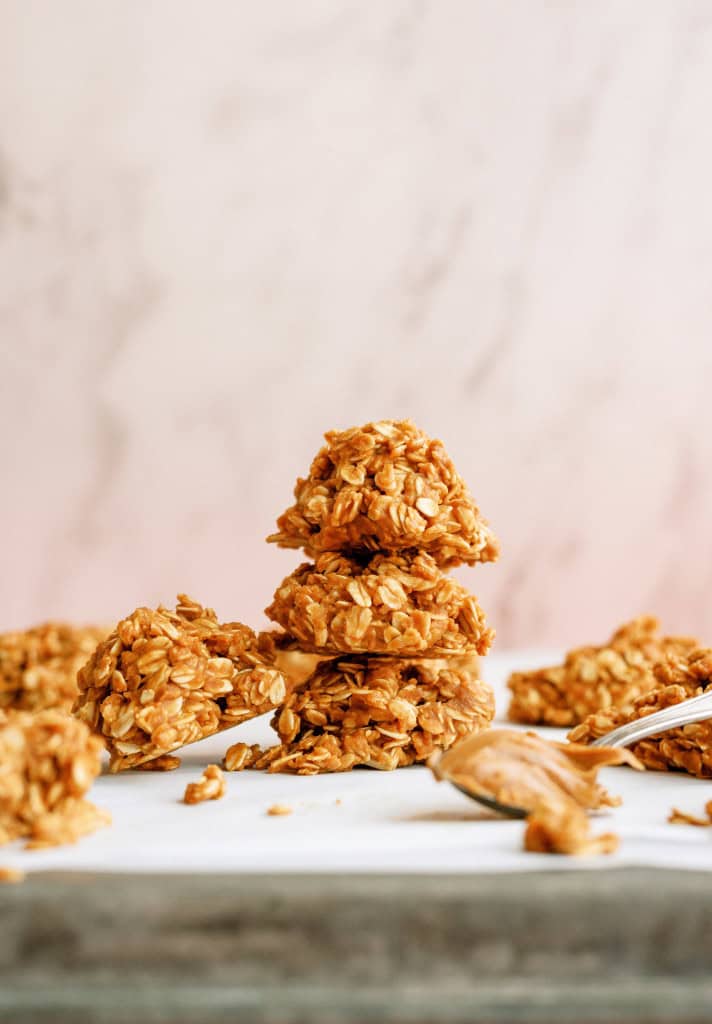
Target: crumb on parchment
279, 810
210, 786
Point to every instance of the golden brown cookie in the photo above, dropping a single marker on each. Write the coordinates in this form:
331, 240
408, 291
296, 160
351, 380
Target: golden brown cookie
593, 678
48, 761
380, 712
386, 487
688, 748
38, 666
163, 679
388, 605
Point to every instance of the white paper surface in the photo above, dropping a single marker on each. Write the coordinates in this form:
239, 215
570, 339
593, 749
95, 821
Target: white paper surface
400, 821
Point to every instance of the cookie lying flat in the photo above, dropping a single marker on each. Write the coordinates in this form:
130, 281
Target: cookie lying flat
380, 712
163, 679
593, 678
387, 487
387, 605
688, 748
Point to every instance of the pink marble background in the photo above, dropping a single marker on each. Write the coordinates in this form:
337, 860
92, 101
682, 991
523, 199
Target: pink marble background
226, 227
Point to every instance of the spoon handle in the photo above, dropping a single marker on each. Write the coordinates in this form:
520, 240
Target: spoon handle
696, 709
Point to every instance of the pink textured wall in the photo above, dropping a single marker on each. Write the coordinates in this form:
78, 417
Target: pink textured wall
226, 229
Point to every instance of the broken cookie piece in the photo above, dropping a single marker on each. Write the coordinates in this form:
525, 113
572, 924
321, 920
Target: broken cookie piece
210, 786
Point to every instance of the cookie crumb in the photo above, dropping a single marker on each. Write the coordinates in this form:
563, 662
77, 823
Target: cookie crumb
677, 817
211, 786
278, 810
164, 763
240, 756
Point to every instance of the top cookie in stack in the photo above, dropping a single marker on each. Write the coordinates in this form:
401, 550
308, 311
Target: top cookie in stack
383, 512
386, 487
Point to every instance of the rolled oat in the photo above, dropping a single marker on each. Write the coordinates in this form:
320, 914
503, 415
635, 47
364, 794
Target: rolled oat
240, 756
677, 817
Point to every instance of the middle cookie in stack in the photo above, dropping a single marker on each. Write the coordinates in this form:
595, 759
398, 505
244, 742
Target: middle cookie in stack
383, 511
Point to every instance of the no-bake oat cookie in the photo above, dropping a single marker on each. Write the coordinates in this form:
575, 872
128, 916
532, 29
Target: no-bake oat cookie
386, 487
592, 678
163, 679
688, 748
38, 666
380, 712
388, 604
48, 761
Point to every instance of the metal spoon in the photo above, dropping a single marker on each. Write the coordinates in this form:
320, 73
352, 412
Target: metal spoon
687, 712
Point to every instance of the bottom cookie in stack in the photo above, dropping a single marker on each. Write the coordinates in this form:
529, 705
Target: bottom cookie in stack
378, 712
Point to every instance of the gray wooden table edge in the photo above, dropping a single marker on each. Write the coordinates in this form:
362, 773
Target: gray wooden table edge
616, 945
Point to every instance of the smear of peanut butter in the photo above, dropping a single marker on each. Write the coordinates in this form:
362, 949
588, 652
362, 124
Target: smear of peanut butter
555, 783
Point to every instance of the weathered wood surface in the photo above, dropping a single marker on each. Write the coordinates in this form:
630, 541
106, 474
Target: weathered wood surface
630, 945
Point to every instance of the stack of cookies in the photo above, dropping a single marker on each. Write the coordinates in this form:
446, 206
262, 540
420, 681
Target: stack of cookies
383, 514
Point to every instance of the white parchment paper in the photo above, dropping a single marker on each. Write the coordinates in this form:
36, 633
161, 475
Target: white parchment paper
360, 821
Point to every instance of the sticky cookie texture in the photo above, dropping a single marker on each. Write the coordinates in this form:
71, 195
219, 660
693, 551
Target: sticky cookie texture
595, 678
688, 748
379, 712
38, 666
388, 604
386, 487
48, 762
163, 679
